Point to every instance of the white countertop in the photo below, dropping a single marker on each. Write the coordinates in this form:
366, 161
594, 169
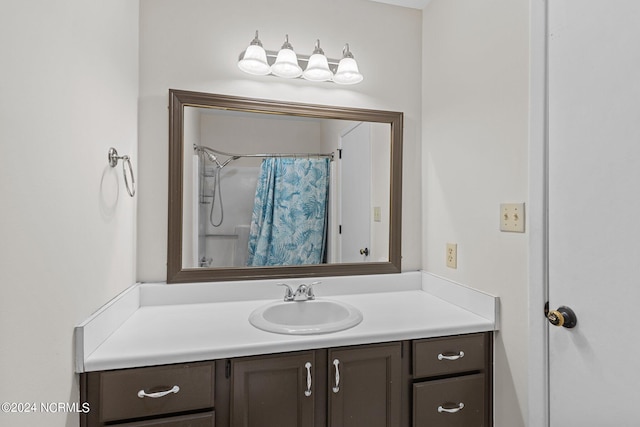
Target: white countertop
188, 332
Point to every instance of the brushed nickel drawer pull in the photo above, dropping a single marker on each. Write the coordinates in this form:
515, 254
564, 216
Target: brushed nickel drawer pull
142, 394
336, 388
460, 355
458, 408
307, 392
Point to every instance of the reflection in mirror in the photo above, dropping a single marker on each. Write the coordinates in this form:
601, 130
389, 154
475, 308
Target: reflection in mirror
281, 190
318, 200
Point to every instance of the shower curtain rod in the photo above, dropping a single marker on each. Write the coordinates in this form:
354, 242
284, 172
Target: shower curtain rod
233, 156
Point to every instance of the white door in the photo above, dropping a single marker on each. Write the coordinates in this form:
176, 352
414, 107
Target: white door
594, 211
355, 194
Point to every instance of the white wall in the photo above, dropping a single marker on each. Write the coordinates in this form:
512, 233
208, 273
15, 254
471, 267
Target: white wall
69, 84
69, 81
194, 45
475, 142
259, 133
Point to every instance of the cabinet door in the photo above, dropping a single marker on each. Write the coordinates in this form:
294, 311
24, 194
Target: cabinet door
365, 386
275, 390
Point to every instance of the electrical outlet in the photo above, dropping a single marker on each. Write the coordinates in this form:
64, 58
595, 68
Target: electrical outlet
512, 217
452, 255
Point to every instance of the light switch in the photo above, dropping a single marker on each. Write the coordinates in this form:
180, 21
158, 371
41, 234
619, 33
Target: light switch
377, 215
512, 217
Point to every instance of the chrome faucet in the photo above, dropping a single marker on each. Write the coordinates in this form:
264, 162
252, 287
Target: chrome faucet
288, 293
303, 292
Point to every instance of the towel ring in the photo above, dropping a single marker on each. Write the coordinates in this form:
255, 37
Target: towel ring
126, 162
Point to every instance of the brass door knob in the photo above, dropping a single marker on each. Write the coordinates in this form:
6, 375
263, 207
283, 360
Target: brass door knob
563, 316
364, 251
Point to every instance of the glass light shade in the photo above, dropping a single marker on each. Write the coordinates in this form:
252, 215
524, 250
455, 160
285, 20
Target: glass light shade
318, 69
348, 73
286, 64
255, 61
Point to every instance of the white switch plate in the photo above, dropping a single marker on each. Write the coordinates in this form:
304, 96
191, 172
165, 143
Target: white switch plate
377, 214
452, 255
512, 217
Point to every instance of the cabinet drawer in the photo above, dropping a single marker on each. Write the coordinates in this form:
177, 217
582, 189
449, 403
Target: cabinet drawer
195, 420
453, 402
442, 356
119, 391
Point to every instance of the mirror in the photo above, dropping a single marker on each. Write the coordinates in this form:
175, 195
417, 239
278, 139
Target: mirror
222, 149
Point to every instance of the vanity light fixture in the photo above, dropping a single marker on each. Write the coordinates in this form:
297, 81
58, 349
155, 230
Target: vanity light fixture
287, 64
348, 72
254, 59
318, 66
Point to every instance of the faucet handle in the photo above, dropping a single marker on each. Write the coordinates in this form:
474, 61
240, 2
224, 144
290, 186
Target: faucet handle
310, 294
288, 295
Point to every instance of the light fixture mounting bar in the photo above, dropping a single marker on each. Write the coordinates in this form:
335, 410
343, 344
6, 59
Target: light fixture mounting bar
302, 59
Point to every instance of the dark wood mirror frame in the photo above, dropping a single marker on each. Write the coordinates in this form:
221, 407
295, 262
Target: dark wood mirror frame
178, 99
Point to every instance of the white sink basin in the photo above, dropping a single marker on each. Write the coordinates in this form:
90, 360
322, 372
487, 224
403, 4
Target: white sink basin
319, 316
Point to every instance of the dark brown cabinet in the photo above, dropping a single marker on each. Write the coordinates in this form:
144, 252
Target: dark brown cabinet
153, 396
342, 387
275, 390
452, 402
452, 381
365, 386
195, 420
435, 382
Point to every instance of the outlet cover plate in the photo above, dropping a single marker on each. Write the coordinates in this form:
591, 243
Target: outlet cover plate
512, 217
452, 255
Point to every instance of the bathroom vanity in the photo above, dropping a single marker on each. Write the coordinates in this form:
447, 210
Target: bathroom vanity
368, 347
163, 355
442, 382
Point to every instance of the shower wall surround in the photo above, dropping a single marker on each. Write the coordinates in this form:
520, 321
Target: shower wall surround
223, 226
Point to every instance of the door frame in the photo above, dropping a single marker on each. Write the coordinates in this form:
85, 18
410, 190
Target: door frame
538, 364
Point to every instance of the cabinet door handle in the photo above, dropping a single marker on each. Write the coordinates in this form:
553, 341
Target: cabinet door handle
453, 410
448, 356
142, 394
336, 387
307, 392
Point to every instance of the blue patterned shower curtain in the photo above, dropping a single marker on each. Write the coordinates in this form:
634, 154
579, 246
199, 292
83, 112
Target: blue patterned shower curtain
289, 221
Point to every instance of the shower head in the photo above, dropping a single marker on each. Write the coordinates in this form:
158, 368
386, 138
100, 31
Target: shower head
209, 154
212, 158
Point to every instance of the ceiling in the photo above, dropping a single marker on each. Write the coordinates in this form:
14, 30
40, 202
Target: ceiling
414, 4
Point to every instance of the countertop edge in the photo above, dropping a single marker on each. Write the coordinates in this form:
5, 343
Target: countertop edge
194, 357
91, 333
